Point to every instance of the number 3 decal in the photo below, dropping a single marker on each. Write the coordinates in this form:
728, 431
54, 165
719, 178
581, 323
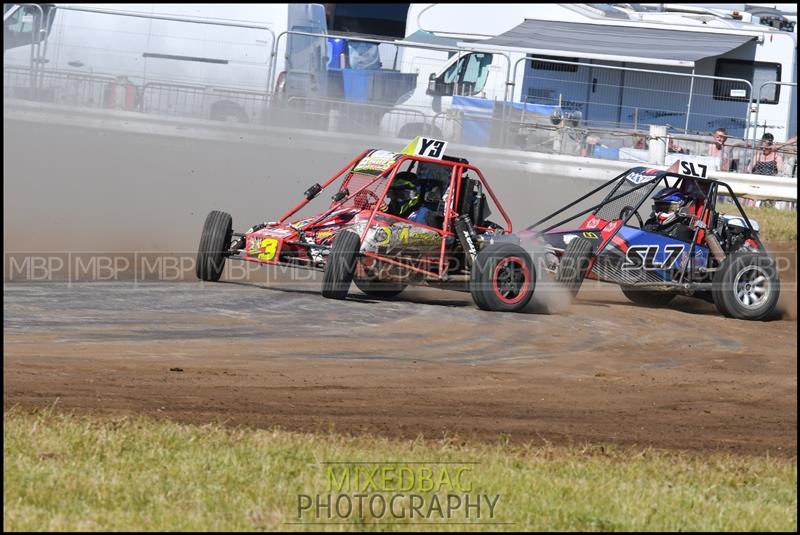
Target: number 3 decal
427, 147
270, 246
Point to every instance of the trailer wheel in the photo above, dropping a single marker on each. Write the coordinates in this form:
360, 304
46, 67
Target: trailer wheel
214, 243
341, 265
746, 286
228, 111
503, 278
574, 265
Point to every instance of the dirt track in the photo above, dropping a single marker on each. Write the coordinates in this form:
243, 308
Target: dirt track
427, 363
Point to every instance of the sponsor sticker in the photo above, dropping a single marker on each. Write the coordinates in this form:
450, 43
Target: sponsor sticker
376, 163
637, 178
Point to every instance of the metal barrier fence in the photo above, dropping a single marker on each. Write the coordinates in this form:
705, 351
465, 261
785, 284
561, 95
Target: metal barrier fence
57, 86
775, 86
566, 107
217, 104
131, 94
614, 96
342, 116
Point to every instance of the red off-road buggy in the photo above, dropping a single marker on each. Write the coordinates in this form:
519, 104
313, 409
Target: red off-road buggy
361, 237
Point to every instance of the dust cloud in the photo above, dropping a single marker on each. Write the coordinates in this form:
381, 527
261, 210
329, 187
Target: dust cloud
70, 188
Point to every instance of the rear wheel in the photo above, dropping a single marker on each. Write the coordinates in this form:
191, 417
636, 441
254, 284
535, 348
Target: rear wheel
341, 265
574, 265
214, 243
503, 278
379, 289
746, 286
649, 298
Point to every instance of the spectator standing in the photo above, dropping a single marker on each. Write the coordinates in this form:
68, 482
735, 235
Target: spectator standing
766, 160
718, 149
675, 147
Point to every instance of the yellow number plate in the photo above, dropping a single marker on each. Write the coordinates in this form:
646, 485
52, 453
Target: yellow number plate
270, 247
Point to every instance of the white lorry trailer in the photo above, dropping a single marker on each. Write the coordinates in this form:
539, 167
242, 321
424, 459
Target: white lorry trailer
592, 58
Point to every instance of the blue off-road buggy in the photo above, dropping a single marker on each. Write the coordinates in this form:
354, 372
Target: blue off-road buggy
659, 234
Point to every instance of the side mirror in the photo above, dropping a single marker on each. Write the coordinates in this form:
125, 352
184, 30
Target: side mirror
313, 191
432, 85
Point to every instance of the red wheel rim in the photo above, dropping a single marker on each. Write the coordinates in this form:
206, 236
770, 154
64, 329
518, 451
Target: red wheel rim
511, 280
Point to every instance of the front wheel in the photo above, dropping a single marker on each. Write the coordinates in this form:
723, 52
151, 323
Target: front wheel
746, 286
503, 278
341, 265
214, 243
574, 265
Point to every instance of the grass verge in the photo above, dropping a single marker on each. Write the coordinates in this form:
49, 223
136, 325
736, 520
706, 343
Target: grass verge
66, 472
776, 225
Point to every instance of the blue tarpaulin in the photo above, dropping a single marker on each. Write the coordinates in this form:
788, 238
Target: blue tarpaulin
356, 85
477, 126
536, 109
478, 113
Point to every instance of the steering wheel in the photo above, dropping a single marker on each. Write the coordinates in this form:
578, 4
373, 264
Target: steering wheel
623, 214
364, 199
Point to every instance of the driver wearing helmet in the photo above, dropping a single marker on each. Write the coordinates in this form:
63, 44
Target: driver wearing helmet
668, 205
672, 211
403, 196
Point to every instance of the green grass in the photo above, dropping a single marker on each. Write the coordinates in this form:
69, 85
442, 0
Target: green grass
66, 472
777, 226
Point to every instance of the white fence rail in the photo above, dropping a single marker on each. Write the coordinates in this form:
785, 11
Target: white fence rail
534, 163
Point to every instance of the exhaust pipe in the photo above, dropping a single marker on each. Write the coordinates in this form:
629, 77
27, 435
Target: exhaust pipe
714, 246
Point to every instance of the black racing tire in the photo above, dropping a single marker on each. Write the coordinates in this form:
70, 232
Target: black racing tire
746, 286
215, 241
574, 265
379, 289
503, 278
648, 298
341, 265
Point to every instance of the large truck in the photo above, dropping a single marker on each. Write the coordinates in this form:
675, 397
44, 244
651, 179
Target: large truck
592, 58
201, 60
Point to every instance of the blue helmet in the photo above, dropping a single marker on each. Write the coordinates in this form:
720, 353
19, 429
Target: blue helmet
671, 197
667, 203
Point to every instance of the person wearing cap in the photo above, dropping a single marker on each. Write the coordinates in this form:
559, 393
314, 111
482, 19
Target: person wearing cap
766, 161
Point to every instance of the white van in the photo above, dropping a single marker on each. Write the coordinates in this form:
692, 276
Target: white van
199, 60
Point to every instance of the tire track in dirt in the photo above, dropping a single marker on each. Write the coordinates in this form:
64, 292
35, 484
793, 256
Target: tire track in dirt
425, 363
